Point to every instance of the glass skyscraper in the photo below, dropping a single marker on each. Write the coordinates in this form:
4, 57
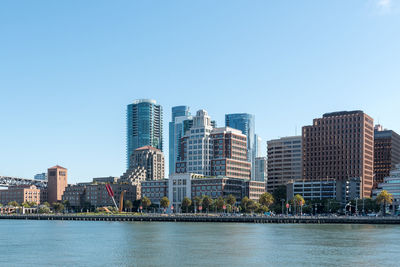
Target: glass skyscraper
144, 126
245, 123
181, 121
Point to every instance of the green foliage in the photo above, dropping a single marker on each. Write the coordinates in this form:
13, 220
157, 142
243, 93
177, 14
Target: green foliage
146, 202
128, 204
262, 209
266, 199
279, 193
384, 197
252, 206
164, 202
244, 203
186, 203
231, 200
58, 207
220, 202
206, 202
13, 204
44, 209
47, 204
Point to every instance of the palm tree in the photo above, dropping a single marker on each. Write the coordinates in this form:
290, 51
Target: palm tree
384, 198
207, 201
186, 202
298, 200
266, 199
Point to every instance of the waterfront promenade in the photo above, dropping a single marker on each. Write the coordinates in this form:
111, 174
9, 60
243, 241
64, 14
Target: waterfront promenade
210, 218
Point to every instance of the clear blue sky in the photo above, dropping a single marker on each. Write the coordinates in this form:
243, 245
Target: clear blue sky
69, 68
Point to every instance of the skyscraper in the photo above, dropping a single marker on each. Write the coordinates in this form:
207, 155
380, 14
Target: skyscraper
196, 146
144, 126
260, 169
340, 146
181, 121
284, 161
387, 153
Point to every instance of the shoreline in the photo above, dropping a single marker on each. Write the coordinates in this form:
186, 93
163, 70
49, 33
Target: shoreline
215, 219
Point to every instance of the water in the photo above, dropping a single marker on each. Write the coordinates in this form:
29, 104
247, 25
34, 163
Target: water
75, 243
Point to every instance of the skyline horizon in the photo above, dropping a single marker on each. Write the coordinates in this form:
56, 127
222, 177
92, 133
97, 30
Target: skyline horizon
70, 69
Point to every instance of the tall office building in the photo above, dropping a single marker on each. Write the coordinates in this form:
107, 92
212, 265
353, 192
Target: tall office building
260, 169
340, 146
152, 159
144, 126
245, 123
181, 121
284, 161
258, 146
387, 153
229, 153
196, 146
57, 182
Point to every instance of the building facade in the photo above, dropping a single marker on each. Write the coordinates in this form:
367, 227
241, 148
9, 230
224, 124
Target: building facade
57, 182
392, 185
340, 146
386, 151
181, 122
150, 158
260, 169
284, 161
196, 146
155, 190
144, 126
229, 153
95, 195
20, 194
40, 176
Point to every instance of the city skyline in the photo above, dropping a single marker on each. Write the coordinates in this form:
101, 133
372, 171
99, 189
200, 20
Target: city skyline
64, 95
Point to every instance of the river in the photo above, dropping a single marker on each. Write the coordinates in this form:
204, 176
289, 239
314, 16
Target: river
86, 243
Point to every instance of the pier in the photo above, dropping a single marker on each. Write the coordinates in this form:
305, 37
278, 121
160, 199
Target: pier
209, 218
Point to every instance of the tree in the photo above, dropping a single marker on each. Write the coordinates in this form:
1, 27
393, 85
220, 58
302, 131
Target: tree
266, 199
231, 200
207, 201
58, 207
298, 201
384, 198
26, 205
47, 204
252, 205
197, 201
13, 204
279, 193
164, 202
44, 209
243, 203
128, 204
146, 202
220, 202
186, 202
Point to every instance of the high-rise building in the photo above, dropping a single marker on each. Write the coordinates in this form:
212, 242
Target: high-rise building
245, 123
229, 153
57, 182
152, 159
196, 146
340, 146
181, 121
260, 169
258, 148
144, 126
386, 151
284, 161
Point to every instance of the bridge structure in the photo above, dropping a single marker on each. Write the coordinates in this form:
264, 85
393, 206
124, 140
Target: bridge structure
7, 181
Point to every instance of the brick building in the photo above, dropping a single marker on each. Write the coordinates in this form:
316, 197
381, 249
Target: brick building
340, 146
21, 194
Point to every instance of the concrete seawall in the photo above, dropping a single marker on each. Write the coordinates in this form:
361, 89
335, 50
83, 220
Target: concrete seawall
220, 219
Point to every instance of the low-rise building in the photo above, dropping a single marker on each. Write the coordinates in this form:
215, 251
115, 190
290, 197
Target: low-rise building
20, 194
254, 189
41, 176
155, 190
392, 185
341, 190
95, 195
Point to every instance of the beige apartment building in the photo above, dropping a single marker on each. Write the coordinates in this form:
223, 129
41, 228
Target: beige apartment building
340, 146
152, 159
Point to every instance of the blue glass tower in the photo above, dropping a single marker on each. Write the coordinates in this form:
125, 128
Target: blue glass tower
180, 122
144, 126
